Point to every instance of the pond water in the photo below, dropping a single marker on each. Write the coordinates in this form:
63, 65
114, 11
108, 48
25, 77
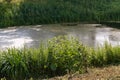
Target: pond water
31, 36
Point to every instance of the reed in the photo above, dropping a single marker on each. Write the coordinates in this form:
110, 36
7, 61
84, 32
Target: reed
60, 56
106, 55
31, 12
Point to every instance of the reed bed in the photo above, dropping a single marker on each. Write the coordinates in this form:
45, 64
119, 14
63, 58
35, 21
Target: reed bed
61, 55
31, 12
105, 55
58, 57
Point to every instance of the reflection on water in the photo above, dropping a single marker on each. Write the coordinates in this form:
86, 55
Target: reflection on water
31, 36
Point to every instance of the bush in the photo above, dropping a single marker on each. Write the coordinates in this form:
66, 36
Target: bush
61, 55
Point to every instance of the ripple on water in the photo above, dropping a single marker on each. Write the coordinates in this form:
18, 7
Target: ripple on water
32, 35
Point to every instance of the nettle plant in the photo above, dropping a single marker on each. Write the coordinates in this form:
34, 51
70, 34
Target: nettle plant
68, 54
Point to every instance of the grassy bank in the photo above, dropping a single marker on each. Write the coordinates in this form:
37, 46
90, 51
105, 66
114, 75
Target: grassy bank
61, 55
30, 12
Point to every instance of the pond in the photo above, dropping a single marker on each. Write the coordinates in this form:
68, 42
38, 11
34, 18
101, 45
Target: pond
31, 36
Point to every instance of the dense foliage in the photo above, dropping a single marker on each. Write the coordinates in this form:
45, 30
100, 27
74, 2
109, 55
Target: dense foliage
61, 55
105, 55
27, 12
58, 57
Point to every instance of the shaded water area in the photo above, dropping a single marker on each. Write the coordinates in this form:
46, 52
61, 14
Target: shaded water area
31, 36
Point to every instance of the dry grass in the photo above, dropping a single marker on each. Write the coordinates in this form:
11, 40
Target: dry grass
105, 73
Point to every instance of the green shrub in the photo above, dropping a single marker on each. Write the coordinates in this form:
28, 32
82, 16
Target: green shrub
68, 52
59, 56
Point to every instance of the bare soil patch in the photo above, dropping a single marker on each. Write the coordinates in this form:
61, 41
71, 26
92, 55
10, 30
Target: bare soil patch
104, 73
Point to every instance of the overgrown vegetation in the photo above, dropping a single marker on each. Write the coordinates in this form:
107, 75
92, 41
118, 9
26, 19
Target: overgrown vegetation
61, 55
106, 55
30, 12
58, 57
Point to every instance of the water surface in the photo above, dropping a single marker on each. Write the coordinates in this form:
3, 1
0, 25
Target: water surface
31, 36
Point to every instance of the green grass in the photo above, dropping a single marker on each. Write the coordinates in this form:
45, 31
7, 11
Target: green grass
61, 55
106, 55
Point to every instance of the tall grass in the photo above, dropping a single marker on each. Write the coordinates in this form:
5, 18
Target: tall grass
61, 55
30, 12
106, 55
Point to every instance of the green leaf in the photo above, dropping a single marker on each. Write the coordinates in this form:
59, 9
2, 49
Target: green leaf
53, 66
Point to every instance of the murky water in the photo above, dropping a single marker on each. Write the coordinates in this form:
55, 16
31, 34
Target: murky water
31, 36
